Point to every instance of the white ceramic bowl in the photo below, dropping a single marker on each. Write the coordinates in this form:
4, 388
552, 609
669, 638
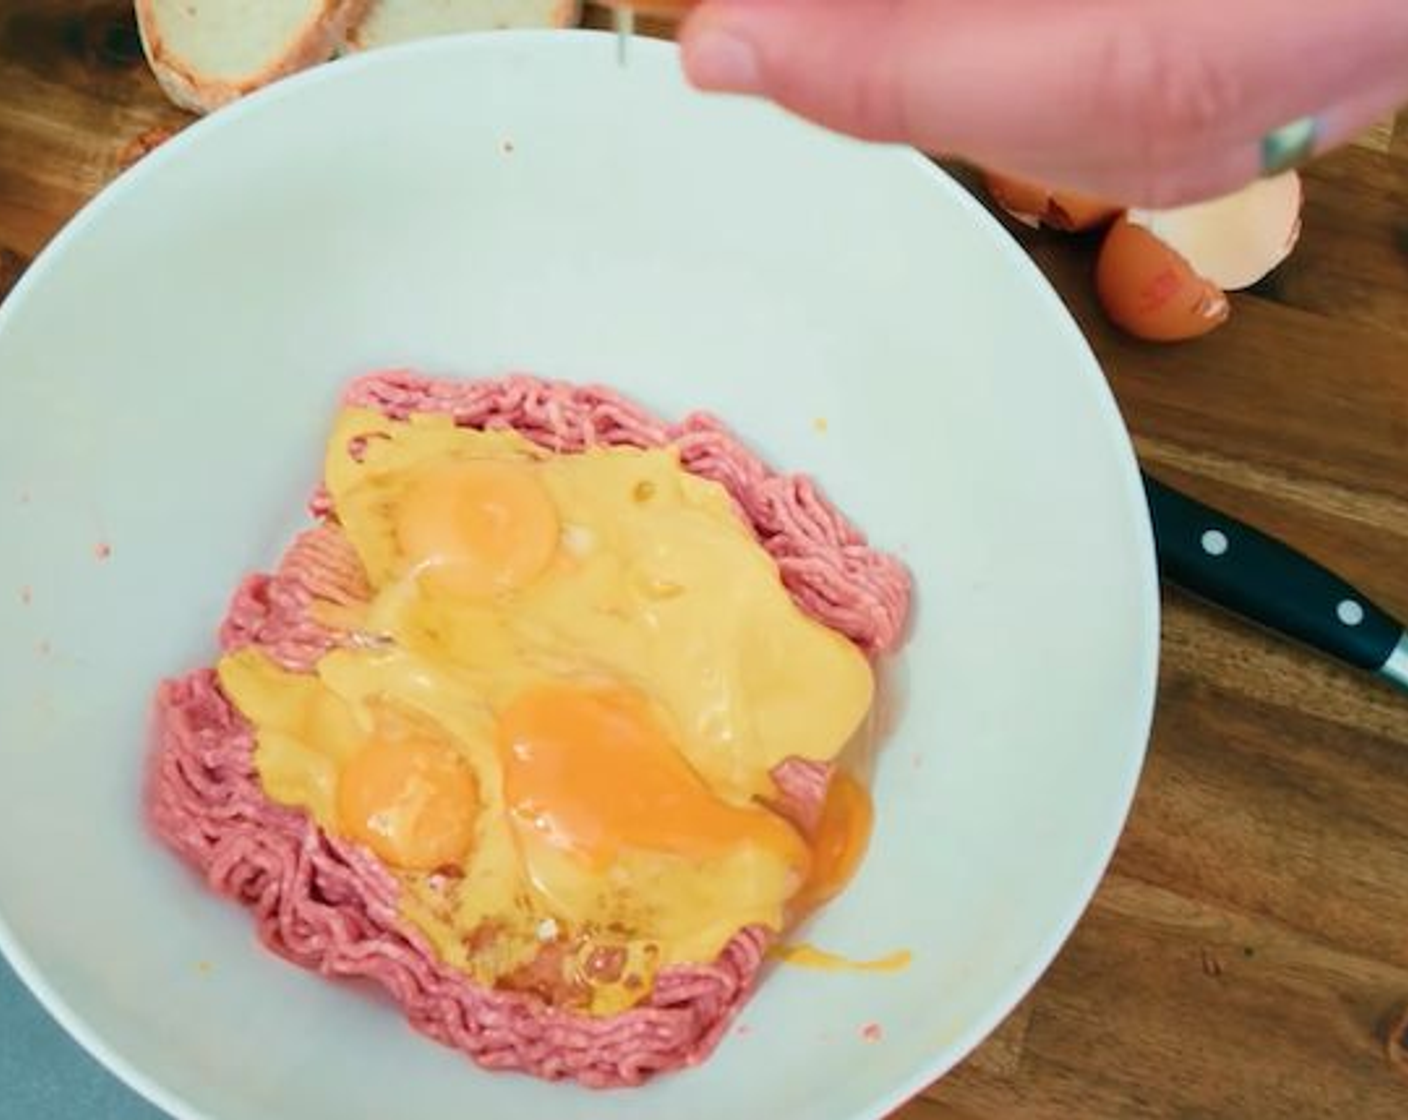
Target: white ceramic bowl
519, 201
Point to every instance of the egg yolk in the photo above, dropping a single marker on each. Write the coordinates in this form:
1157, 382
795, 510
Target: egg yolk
593, 771
477, 527
841, 838
413, 802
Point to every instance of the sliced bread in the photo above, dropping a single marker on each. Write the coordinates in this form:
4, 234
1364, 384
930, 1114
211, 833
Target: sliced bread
397, 21
206, 53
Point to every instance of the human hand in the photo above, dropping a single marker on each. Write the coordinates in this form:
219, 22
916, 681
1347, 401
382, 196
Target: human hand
1143, 102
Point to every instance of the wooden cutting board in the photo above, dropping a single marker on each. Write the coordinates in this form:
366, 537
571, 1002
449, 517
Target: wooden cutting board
1247, 955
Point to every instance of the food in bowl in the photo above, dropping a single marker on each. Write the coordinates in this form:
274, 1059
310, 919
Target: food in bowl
545, 726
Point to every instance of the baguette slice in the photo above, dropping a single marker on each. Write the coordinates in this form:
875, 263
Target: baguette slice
397, 21
206, 53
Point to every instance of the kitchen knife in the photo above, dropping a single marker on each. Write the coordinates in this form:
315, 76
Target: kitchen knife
1242, 570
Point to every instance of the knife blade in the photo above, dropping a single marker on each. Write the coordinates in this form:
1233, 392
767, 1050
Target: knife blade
1249, 573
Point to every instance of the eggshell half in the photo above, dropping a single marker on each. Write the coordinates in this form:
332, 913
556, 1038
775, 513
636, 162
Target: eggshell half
1035, 205
1151, 291
1236, 240
1164, 274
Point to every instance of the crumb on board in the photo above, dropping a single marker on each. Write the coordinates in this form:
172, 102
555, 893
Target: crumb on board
871, 1032
27, 596
143, 144
820, 424
508, 147
102, 550
742, 1029
44, 648
205, 968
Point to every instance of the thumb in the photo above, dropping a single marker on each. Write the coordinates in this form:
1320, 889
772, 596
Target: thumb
1142, 102
832, 61
1035, 87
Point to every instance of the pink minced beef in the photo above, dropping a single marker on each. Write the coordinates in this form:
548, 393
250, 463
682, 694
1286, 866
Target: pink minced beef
329, 906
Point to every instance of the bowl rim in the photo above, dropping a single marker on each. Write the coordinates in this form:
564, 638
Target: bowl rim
943, 1058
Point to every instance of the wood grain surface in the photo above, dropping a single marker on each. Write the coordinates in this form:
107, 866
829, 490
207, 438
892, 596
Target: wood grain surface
1247, 955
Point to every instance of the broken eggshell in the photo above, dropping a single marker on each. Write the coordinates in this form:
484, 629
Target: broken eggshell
667, 9
1163, 275
1035, 205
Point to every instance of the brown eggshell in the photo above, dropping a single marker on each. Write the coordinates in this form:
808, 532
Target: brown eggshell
1234, 240
669, 9
1034, 204
1152, 292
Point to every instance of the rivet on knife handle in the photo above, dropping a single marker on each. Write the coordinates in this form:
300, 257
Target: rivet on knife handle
1236, 567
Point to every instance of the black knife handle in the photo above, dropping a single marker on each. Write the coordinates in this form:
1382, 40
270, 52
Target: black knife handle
1235, 567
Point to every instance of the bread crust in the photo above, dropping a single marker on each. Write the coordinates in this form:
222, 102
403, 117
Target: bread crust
315, 41
564, 13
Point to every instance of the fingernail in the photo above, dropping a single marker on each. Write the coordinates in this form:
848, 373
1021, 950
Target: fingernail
719, 60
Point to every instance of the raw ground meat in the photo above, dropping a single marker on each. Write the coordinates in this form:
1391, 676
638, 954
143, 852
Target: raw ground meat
330, 906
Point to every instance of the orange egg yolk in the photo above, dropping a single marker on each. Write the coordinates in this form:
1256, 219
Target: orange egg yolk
593, 771
839, 844
412, 802
478, 527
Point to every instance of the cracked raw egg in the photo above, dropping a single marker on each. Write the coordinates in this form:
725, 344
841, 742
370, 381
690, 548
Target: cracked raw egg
557, 717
